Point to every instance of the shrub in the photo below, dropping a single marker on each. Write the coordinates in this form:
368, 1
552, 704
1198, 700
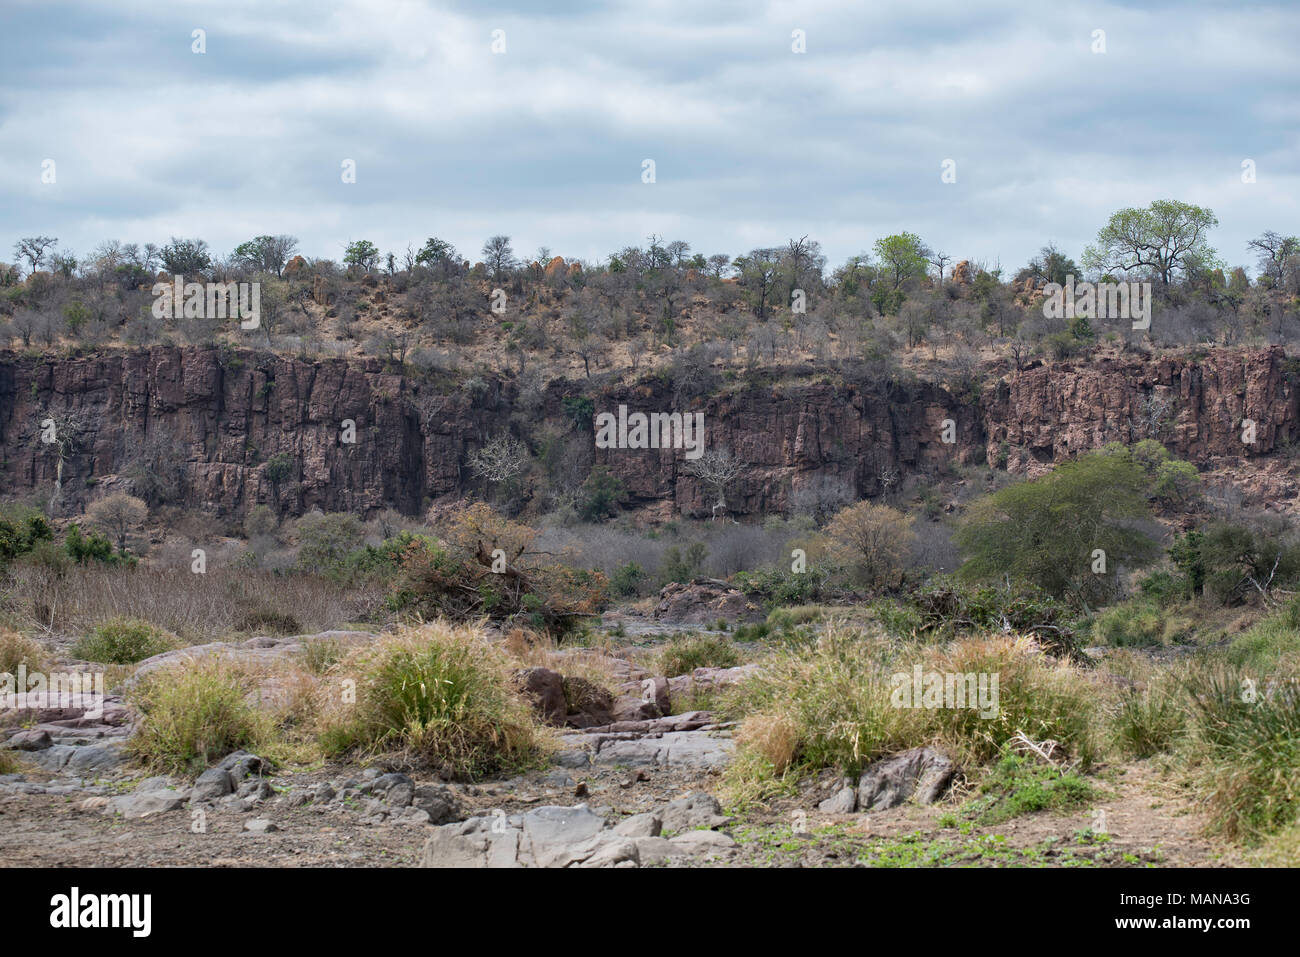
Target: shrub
20, 531
1149, 720
1271, 644
873, 541
1045, 700
17, 649
627, 580
820, 707
441, 697
319, 655
193, 713
122, 641
1245, 752
683, 654
950, 608
778, 585
1131, 624
325, 541
600, 496
1045, 531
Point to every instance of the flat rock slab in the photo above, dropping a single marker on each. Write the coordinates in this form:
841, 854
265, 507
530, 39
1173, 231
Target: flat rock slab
675, 749
560, 837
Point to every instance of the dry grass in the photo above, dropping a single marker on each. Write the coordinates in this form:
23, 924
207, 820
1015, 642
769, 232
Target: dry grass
833, 706
17, 649
197, 608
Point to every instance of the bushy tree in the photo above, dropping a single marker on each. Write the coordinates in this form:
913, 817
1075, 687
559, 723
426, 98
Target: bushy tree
1168, 238
1048, 531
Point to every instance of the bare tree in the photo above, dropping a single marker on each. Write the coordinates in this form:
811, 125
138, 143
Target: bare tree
61, 432
33, 249
118, 514
501, 461
717, 469
499, 255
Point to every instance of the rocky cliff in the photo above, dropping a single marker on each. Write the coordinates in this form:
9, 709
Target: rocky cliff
232, 429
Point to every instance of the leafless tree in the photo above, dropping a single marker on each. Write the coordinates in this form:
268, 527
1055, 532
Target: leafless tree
717, 469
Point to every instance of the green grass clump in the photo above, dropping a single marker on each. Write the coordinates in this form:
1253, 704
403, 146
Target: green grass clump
684, 653
122, 641
1245, 751
439, 696
193, 713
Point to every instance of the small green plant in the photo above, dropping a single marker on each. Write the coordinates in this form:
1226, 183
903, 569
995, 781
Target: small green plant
1019, 785
122, 641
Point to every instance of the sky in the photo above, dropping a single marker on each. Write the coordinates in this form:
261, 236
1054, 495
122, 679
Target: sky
545, 138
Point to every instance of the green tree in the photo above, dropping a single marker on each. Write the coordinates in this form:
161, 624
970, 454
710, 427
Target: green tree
903, 257
1047, 531
267, 253
1168, 238
361, 255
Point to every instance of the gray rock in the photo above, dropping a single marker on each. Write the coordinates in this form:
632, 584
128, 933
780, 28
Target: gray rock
558, 778
31, 740
92, 760
696, 810
704, 842
156, 783
922, 773
573, 758
324, 793
438, 802
260, 825
843, 801
386, 781
143, 804
400, 795
212, 784
640, 825
297, 798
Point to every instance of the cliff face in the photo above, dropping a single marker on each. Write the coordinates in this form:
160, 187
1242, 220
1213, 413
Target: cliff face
231, 430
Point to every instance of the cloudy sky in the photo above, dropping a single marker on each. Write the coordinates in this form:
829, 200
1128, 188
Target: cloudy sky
752, 142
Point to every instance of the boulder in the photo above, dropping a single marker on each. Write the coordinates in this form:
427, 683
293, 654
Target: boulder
697, 810
922, 773
704, 601
544, 689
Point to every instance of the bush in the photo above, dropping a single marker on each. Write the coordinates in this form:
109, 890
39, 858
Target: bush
834, 706
949, 608
441, 697
1044, 700
194, 713
1131, 624
779, 586
1245, 752
1045, 532
17, 649
1149, 720
627, 580
600, 496
122, 641
20, 531
1271, 645
873, 541
326, 541
683, 654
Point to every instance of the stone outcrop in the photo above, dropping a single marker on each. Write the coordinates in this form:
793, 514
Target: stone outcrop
233, 429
